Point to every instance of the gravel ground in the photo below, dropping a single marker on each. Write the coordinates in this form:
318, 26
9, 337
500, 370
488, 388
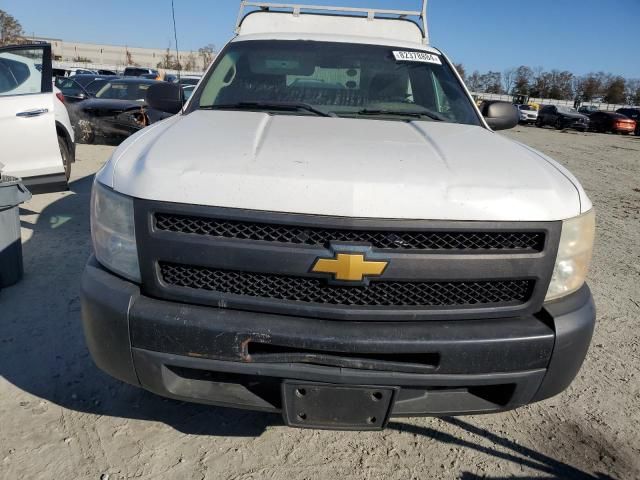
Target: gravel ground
64, 419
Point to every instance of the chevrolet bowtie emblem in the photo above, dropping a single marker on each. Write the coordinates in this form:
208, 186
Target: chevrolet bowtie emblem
348, 267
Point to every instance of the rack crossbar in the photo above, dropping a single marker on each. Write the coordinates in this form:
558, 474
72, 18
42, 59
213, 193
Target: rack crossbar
371, 13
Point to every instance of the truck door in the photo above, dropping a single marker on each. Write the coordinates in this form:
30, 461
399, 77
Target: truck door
27, 119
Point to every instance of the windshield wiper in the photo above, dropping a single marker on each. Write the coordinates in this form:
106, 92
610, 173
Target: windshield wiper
401, 113
286, 106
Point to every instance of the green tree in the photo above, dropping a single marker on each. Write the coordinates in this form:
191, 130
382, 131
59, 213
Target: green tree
614, 91
522, 81
10, 29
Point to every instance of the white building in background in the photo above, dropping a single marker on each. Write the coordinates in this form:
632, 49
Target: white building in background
114, 56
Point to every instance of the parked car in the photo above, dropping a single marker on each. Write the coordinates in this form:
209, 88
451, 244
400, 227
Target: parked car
633, 113
337, 255
117, 110
560, 117
190, 79
37, 138
528, 114
611, 122
80, 87
107, 72
139, 71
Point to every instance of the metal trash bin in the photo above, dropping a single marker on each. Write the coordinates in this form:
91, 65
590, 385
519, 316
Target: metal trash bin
12, 194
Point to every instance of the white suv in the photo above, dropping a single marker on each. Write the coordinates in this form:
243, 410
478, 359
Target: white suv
332, 230
37, 138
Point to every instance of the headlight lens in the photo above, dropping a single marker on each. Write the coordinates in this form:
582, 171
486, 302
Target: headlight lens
574, 255
113, 232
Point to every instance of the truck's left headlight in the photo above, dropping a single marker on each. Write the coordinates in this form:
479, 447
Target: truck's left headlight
113, 232
574, 255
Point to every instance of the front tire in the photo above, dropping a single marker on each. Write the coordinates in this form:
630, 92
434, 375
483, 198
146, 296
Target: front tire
66, 157
558, 124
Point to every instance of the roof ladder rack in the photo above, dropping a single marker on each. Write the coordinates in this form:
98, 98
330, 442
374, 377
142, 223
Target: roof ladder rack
371, 13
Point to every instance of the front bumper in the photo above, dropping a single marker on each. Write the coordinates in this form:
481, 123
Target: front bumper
528, 119
575, 124
241, 359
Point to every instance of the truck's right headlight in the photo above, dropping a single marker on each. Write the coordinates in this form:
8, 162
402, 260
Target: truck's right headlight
574, 255
113, 231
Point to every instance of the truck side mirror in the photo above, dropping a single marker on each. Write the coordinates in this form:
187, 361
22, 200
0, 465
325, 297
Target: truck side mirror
166, 97
500, 115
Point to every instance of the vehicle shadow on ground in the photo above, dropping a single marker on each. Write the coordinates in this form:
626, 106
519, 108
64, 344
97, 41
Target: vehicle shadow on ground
503, 449
42, 347
43, 352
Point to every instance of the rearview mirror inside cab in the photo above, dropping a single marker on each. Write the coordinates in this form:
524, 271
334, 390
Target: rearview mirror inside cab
500, 115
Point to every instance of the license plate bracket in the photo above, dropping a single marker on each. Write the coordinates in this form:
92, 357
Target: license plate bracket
336, 407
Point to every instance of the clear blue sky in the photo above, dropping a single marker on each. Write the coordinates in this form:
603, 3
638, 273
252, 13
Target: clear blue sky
576, 35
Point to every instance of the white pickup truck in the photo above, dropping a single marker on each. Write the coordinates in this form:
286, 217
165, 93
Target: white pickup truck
330, 229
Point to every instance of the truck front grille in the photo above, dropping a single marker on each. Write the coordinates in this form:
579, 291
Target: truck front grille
259, 261
321, 237
376, 294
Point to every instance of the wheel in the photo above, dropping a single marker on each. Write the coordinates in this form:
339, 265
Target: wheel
66, 157
85, 132
539, 123
558, 124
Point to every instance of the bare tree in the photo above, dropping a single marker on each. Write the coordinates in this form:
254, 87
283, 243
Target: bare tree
10, 29
207, 53
508, 79
633, 91
491, 82
190, 63
129, 58
473, 81
461, 70
169, 61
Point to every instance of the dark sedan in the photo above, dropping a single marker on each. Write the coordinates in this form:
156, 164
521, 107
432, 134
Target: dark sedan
633, 113
80, 87
561, 117
611, 122
117, 111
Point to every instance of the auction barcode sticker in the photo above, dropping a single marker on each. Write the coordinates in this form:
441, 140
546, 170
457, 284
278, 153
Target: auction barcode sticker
422, 57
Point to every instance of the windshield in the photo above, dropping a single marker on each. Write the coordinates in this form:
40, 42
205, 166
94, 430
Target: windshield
124, 91
335, 78
563, 109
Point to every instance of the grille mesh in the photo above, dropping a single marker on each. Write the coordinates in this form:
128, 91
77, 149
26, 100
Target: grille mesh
376, 294
292, 234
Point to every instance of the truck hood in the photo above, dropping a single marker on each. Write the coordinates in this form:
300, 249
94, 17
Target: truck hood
341, 167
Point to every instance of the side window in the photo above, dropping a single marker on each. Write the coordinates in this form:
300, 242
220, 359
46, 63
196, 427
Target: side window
95, 86
442, 102
221, 80
70, 88
21, 71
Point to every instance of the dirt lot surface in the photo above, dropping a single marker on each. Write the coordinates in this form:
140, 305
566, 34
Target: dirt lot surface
61, 418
